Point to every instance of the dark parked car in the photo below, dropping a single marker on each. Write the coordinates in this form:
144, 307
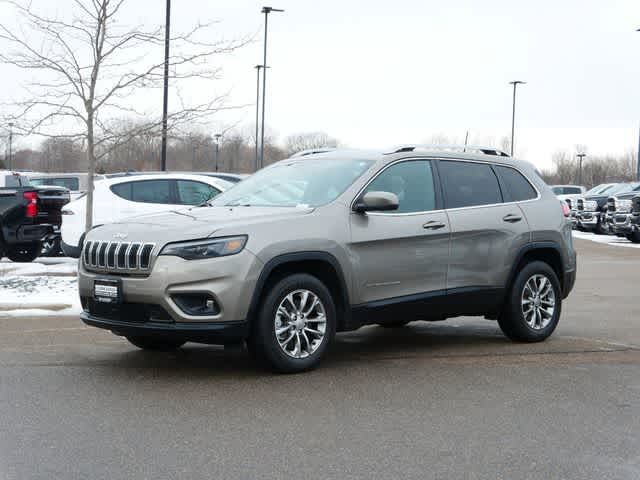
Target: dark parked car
592, 209
28, 216
623, 212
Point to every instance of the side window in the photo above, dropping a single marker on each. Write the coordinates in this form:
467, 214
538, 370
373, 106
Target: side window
123, 190
194, 193
67, 182
412, 182
152, 191
518, 187
468, 184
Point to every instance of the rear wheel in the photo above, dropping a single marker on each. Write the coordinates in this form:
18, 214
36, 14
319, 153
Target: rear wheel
533, 306
155, 344
295, 325
24, 252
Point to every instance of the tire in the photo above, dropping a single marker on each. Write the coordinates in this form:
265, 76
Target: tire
51, 248
634, 237
155, 344
394, 324
512, 318
24, 252
302, 342
600, 229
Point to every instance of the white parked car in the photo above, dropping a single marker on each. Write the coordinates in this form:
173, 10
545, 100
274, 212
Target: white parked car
568, 192
115, 199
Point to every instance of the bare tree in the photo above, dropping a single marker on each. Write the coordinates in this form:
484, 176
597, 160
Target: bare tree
91, 65
308, 140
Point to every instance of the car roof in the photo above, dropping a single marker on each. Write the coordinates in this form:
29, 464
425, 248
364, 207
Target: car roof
171, 176
453, 152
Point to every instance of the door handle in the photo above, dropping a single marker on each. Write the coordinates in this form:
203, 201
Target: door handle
433, 225
512, 218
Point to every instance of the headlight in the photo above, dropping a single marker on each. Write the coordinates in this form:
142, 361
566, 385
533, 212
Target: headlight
623, 205
201, 249
590, 205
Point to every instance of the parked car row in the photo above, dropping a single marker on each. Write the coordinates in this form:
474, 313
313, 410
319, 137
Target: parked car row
611, 208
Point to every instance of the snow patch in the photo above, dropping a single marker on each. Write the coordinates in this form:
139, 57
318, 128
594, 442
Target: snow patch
40, 288
605, 239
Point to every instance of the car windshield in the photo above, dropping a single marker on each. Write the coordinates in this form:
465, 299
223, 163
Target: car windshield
298, 182
622, 188
599, 189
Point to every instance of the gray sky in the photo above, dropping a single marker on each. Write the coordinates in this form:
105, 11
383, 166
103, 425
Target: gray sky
380, 73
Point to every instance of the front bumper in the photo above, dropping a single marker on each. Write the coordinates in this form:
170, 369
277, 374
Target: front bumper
589, 219
230, 281
622, 223
215, 333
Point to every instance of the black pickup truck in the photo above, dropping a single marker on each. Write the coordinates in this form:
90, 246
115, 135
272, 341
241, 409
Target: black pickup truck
29, 215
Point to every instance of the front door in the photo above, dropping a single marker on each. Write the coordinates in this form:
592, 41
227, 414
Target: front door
404, 252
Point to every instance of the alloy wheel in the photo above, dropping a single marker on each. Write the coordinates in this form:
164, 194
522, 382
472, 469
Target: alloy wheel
300, 323
538, 301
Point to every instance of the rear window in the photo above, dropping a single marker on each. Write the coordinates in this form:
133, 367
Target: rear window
67, 182
145, 191
468, 184
16, 181
517, 186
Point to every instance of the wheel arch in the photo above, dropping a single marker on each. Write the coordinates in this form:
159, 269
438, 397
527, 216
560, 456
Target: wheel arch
548, 252
322, 265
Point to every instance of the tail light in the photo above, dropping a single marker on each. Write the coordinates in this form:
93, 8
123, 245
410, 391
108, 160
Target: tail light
32, 206
565, 209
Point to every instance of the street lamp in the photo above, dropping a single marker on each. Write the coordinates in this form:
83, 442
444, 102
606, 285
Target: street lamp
266, 11
257, 67
165, 102
580, 157
515, 83
10, 145
217, 138
638, 162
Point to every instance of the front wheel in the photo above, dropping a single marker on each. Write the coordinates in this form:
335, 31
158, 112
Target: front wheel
296, 323
155, 344
25, 252
634, 237
532, 309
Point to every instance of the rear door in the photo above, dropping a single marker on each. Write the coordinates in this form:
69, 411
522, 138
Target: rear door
403, 252
487, 232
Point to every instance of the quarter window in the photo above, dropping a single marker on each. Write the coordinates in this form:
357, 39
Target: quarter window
412, 182
518, 187
468, 184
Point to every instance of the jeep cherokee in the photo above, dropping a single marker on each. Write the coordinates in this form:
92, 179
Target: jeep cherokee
332, 241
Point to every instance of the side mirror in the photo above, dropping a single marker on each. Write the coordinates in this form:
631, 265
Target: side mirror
377, 202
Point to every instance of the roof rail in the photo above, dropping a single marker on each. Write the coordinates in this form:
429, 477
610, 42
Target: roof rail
449, 148
311, 151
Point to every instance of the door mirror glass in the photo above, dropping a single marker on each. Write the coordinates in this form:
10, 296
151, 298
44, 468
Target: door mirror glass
377, 202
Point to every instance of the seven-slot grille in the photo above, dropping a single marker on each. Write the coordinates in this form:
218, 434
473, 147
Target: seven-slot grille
118, 256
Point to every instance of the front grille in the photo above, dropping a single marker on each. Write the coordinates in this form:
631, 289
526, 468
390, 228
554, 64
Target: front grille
127, 312
126, 257
621, 219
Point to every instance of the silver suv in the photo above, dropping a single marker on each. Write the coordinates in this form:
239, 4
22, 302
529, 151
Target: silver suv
332, 241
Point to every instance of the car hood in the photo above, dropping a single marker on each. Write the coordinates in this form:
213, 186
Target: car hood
191, 224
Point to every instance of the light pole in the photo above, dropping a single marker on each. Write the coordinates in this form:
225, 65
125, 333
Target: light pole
217, 137
580, 157
638, 160
257, 67
266, 11
10, 145
515, 83
167, 29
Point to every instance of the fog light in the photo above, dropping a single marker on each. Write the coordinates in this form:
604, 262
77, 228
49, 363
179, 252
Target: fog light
197, 304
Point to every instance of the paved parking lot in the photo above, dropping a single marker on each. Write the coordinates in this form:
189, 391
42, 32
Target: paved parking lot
445, 400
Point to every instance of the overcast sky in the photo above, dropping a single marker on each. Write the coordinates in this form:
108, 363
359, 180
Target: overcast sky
380, 73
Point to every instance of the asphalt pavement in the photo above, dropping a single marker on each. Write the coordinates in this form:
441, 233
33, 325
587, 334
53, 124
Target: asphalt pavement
446, 400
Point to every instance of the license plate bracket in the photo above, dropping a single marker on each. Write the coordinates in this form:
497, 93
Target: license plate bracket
107, 290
